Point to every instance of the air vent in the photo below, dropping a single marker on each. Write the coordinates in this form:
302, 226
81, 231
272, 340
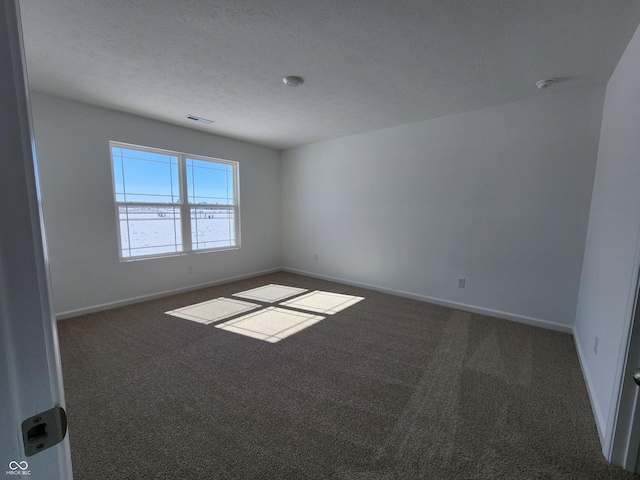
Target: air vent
199, 119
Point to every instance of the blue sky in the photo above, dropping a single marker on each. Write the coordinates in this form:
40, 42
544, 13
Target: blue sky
154, 177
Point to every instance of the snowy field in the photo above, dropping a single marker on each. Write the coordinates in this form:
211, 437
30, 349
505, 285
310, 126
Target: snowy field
152, 231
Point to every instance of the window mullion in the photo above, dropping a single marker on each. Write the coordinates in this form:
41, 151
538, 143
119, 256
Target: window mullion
185, 212
236, 203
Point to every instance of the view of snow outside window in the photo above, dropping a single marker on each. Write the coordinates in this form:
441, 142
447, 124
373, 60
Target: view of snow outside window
151, 204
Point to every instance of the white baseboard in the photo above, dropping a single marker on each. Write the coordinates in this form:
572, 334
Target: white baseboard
593, 398
536, 322
153, 296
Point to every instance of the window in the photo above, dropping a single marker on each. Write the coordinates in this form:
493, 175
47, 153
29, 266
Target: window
170, 203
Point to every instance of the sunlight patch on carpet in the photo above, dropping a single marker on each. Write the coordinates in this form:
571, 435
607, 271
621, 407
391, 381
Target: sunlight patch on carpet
213, 310
271, 324
323, 302
270, 293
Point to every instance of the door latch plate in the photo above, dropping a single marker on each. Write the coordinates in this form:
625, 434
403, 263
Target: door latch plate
44, 430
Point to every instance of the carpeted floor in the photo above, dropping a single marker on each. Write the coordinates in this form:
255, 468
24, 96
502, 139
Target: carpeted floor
389, 388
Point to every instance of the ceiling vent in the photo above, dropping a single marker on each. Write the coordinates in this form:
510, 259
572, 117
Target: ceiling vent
199, 119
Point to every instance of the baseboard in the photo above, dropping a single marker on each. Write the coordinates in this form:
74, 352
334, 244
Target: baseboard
153, 296
595, 406
536, 322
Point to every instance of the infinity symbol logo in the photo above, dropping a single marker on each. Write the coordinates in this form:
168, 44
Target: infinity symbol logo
13, 465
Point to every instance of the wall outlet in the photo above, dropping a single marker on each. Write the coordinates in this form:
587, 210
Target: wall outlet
595, 345
189, 269
315, 257
461, 282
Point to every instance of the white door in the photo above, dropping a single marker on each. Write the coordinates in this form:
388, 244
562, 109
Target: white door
30, 375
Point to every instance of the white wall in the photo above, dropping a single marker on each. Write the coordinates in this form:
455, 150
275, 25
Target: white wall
80, 220
611, 255
499, 196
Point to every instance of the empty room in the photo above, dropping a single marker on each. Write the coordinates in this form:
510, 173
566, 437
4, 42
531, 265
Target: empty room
320, 240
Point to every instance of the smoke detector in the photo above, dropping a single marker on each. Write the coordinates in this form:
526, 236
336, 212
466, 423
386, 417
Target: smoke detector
547, 82
293, 81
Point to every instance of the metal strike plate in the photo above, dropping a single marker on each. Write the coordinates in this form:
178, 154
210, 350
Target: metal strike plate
44, 430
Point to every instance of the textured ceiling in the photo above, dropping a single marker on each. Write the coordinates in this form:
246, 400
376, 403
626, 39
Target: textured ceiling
367, 64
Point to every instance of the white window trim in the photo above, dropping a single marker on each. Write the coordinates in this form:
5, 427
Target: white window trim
184, 205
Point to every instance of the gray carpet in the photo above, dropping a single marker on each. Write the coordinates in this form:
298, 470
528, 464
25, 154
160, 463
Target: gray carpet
389, 388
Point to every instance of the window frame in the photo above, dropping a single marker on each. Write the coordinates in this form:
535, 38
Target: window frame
183, 206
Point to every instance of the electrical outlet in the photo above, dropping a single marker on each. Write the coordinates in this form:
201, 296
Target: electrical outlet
189, 269
461, 282
595, 345
315, 257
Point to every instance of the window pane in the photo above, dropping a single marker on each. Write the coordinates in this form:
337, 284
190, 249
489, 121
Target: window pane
145, 176
209, 182
149, 230
212, 227
118, 174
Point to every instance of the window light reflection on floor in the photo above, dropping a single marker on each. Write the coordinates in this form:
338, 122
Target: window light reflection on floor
271, 324
323, 302
270, 293
213, 310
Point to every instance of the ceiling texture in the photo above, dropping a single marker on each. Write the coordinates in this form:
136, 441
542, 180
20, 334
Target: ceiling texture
367, 64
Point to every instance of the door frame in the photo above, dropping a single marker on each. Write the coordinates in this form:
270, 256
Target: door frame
30, 368
624, 438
